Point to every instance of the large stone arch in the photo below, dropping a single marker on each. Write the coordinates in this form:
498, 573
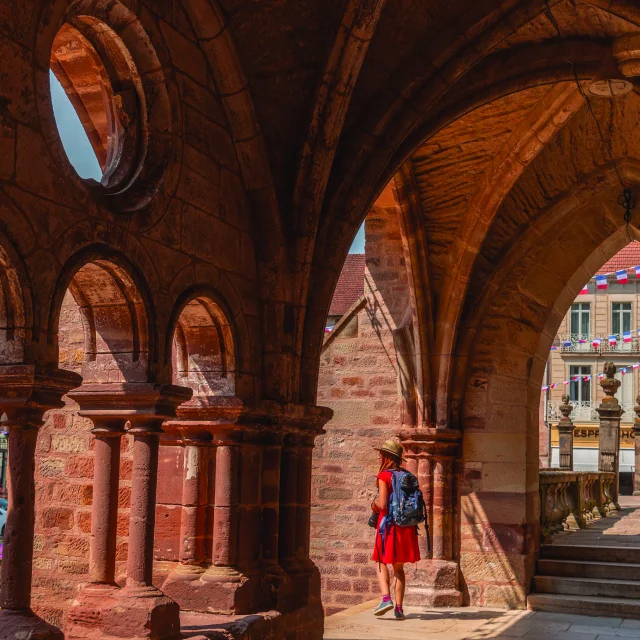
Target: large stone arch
501, 366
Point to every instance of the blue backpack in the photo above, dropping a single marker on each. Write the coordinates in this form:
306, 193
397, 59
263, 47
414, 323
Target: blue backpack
406, 504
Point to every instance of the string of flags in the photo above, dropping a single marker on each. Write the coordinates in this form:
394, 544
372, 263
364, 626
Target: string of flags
586, 378
622, 277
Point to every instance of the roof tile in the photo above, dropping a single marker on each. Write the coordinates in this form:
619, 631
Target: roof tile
350, 285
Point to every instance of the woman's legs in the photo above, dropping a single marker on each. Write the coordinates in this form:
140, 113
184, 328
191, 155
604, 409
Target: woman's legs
398, 572
383, 579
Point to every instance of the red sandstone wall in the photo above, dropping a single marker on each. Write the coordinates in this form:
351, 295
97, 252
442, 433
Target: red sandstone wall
358, 381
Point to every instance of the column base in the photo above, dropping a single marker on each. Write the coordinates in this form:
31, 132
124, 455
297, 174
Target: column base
23, 623
221, 590
435, 585
134, 613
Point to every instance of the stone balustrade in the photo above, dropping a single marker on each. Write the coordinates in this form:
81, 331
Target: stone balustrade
573, 499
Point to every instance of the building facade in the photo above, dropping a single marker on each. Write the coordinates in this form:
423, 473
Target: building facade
601, 325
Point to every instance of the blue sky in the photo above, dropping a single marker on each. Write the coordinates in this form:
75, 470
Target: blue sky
81, 155
358, 241
74, 139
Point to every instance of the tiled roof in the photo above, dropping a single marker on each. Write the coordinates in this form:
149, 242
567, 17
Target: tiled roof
350, 285
626, 258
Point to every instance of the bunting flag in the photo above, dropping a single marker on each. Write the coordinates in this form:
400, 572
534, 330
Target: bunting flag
626, 336
601, 282
546, 388
566, 343
567, 382
554, 347
554, 385
601, 376
582, 341
638, 270
587, 378
596, 342
328, 329
575, 378
635, 366
585, 289
622, 276
623, 370
613, 340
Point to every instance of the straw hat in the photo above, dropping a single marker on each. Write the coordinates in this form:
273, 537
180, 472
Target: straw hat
391, 447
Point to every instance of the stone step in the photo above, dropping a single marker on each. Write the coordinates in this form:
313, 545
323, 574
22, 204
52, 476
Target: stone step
584, 605
590, 554
592, 569
627, 589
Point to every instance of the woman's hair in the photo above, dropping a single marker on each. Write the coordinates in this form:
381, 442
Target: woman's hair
389, 461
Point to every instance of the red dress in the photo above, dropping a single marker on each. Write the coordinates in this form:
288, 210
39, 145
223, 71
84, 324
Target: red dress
401, 543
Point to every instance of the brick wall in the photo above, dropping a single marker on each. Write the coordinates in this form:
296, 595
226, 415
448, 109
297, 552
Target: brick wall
358, 380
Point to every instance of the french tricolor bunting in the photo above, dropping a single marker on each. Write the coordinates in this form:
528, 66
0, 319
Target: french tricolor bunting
622, 276
601, 282
626, 336
613, 340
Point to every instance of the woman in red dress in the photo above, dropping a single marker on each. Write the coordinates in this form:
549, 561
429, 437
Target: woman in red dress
400, 544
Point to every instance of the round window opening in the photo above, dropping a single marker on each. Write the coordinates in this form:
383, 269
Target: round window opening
96, 97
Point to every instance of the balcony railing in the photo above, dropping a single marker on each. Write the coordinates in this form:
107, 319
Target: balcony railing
586, 412
584, 344
571, 499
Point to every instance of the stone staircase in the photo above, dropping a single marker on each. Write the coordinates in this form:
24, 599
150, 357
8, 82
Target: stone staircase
588, 580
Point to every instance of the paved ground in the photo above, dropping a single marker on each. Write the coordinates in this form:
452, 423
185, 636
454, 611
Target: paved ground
471, 623
619, 530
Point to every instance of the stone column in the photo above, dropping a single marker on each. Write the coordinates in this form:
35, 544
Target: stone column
431, 454
26, 392
104, 514
636, 442
139, 609
303, 511
271, 461
288, 505
142, 518
565, 431
610, 412
194, 494
225, 519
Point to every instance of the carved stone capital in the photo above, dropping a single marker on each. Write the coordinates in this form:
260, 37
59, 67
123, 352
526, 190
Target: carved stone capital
27, 391
430, 442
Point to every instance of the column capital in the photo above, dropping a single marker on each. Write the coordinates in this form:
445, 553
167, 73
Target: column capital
433, 442
27, 391
146, 405
247, 419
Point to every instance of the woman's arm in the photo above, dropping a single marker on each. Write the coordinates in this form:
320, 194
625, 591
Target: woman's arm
383, 496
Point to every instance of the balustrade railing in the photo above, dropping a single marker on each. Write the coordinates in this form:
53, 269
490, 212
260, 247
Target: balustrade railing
571, 499
577, 343
586, 411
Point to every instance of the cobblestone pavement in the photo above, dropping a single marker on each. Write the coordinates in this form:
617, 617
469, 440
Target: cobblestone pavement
472, 623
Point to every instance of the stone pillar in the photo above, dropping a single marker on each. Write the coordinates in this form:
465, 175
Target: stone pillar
142, 518
565, 431
225, 519
610, 412
271, 461
288, 505
431, 455
26, 392
303, 511
194, 496
138, 610
104, 514
636, 442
